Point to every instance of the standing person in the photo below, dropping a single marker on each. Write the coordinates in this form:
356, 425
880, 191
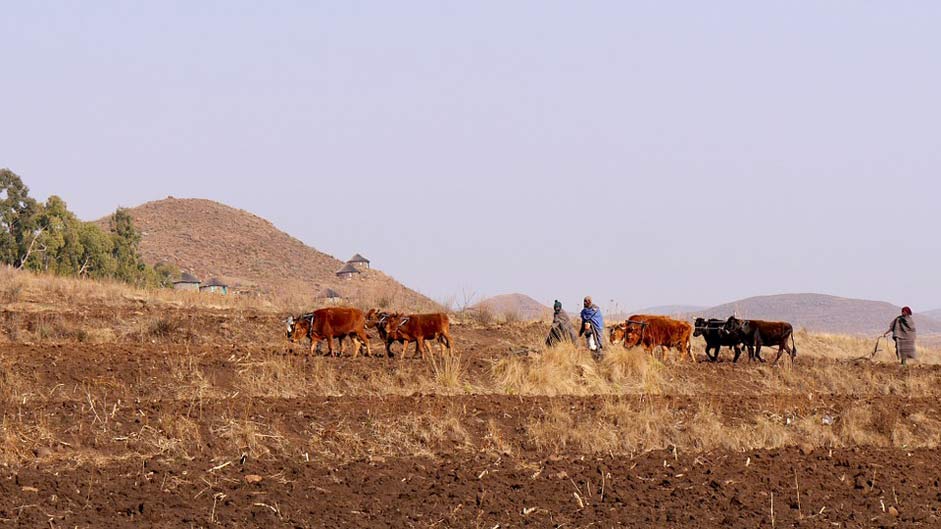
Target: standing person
592, 327
561, 329
903, 332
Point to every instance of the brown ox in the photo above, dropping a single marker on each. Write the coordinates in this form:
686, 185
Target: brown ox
756, 333
650, 331
327, 324
417, 328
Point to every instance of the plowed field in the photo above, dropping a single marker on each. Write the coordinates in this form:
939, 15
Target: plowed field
212, 419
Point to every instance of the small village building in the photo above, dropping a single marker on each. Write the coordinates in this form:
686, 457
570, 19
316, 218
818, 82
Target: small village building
348, 272
186, 281
214, 286
330, 297
359, 262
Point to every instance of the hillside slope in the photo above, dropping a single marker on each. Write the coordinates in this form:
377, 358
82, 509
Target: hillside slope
933, 314
822, 313
209, 239
522, 305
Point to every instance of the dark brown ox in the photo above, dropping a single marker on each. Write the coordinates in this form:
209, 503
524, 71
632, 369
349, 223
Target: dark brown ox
756, 333
651, 331
327, 324
377, 319
417, 328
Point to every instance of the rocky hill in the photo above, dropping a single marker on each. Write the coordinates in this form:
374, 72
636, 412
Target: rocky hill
933, 314
209, 239
520, 305
822, 313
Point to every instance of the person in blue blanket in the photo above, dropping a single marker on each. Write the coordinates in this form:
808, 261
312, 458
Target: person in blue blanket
592, 327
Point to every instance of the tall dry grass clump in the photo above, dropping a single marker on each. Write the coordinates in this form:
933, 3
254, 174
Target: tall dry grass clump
569, 370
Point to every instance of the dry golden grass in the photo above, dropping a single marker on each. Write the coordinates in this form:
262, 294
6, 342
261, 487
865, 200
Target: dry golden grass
410, 434
199, 394
628, 428
28, 291
569, 370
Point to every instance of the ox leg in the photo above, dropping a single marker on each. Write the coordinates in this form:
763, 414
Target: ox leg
738, 352
420, 346
776, 358
712, 357
356, 346
365, 339
758, 352
330, 346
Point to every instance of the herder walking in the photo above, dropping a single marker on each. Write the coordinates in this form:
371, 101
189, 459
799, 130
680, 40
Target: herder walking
561, 329
592, 327
903, 333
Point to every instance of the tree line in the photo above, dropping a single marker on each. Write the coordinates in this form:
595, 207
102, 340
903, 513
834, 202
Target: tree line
48, 237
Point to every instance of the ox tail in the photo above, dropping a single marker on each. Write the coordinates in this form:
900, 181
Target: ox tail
793, 346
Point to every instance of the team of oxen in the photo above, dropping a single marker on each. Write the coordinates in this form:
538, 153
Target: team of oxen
342, 322
651, 331
643, 330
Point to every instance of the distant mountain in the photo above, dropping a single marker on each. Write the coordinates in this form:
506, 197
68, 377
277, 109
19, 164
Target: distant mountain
522, 305
667, 310
822, 313
934, 314
209, 239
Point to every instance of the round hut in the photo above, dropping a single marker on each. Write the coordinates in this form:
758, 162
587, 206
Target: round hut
214, 286
187, 281
330, 297
359, 262
348, 272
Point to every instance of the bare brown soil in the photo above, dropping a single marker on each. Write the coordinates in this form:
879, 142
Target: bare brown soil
207, 417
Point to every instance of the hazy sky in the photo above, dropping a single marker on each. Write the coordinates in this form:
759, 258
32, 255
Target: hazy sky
644, 152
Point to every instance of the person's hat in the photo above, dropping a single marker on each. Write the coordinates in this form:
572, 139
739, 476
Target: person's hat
907, 311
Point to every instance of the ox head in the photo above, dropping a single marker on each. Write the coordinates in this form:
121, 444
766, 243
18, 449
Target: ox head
290, 323
377, 319
617, 332
734, 325
299, 328
390, 323
699, 326
634, 332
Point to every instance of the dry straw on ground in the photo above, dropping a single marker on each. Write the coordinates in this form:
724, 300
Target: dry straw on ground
214, 377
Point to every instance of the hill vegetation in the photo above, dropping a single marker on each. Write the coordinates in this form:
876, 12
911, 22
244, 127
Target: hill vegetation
47, 237
209, 239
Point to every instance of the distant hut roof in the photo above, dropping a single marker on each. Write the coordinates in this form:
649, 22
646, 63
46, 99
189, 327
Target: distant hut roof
187, 277
214, 282
348, 269
358, 259
329, 293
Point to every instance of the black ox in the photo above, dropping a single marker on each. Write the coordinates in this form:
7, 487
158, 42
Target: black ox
757, 333
716, 336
